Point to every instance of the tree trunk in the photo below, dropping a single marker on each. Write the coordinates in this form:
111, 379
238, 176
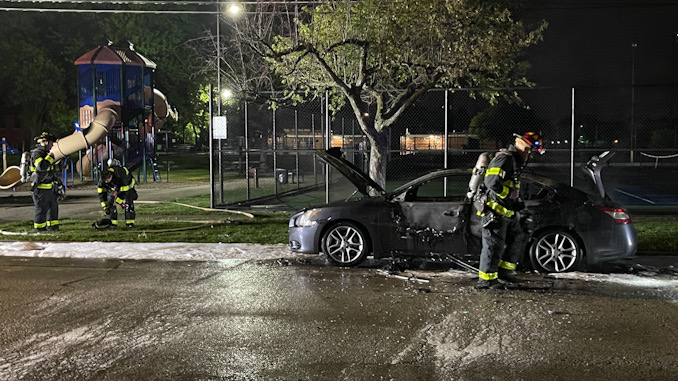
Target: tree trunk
378, 157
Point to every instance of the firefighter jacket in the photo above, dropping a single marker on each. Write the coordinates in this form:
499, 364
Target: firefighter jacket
502, 181
122, 182
42, 168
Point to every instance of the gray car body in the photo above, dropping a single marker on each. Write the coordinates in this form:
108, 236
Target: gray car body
400, 223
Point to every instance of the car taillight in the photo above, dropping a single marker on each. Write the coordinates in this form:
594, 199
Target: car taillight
620, 216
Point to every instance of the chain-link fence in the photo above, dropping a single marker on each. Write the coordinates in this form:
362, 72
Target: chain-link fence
267, 157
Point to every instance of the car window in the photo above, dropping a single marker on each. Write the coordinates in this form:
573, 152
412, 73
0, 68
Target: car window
434, 190
530, 191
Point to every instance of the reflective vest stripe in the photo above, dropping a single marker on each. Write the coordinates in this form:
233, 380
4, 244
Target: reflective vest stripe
45, 186
504, 192
495, 171
499, 209
118, 200
100, 190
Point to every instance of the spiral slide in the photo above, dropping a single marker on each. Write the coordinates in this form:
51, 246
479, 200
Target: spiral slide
10, 178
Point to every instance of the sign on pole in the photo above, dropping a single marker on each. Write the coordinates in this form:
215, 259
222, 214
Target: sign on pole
219, 130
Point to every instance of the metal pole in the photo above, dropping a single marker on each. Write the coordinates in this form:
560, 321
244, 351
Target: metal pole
315, 169
211, 150
219, 58
572, 142
328, 144
296, 145
633, 98
445, 147
275, 159
247, 153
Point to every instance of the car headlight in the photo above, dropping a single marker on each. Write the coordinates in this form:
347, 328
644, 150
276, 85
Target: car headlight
306, 219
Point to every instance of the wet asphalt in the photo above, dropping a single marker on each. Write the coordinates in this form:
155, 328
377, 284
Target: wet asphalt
66, 319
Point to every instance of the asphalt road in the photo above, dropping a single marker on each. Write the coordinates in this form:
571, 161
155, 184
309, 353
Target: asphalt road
65, 319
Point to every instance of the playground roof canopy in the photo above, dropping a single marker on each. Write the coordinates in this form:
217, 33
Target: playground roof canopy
114, 56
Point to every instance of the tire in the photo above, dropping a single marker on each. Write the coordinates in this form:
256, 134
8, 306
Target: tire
345, 244
555, 251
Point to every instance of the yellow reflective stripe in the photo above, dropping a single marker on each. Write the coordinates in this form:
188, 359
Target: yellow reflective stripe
487, 276
131, 185
32, 168
45, 186
495, 171
114, 222
124, 188
129, 221
500, 209
50, 159
111, 170
38, 161
507, 265
118, 200
53, 223
103, 204
40, 225
126, 171
505, 191
100, 190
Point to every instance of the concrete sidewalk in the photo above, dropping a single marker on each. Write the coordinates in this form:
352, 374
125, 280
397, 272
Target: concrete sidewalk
82, 200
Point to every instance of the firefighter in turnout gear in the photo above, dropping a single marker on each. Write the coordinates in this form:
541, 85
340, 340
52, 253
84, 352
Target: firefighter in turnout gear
43, 177
502, 234
116, 187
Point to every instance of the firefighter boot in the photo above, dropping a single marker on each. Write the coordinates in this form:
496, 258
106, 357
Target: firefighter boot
484, 284
510, 276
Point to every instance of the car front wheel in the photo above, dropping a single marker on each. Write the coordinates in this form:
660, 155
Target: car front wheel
555, 252
344, 244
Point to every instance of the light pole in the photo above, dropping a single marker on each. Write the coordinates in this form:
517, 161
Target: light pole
218, 56
633, 97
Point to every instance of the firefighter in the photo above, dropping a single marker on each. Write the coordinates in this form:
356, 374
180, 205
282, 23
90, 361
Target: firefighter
43, 175
502, 235
116, 187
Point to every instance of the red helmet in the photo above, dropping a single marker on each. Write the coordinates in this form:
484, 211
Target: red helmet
533, 140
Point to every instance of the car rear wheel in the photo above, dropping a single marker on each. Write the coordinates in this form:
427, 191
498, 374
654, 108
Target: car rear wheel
555, 252
345, 244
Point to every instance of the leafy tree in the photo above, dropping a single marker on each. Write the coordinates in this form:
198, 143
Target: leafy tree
381, 56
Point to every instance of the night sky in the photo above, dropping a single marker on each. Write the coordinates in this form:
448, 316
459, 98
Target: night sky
589, 43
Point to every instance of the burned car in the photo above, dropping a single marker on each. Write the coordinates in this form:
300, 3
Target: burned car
566, 228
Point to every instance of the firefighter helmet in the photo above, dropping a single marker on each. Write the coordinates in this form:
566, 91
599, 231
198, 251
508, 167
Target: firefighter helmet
45, 136
532, 140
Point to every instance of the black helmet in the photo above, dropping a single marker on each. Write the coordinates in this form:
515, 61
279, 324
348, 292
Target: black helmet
45, 136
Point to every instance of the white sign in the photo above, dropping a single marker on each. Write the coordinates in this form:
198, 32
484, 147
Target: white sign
219, 127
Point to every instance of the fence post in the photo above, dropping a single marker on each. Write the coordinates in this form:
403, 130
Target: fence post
572, 142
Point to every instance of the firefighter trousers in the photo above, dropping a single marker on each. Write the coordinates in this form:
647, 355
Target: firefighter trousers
46, 209
503, 241
130, 214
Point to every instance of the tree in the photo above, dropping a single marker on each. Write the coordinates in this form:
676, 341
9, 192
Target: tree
380, 56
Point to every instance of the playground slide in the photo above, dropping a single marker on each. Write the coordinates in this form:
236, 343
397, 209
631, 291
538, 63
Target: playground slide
99, 128
10, 178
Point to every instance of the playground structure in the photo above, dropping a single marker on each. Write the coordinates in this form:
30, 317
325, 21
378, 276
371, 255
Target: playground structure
121, 79
120, 110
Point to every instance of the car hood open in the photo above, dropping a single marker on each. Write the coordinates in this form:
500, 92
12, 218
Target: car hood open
361, 180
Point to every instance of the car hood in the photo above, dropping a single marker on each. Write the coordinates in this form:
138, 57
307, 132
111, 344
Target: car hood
361, 180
